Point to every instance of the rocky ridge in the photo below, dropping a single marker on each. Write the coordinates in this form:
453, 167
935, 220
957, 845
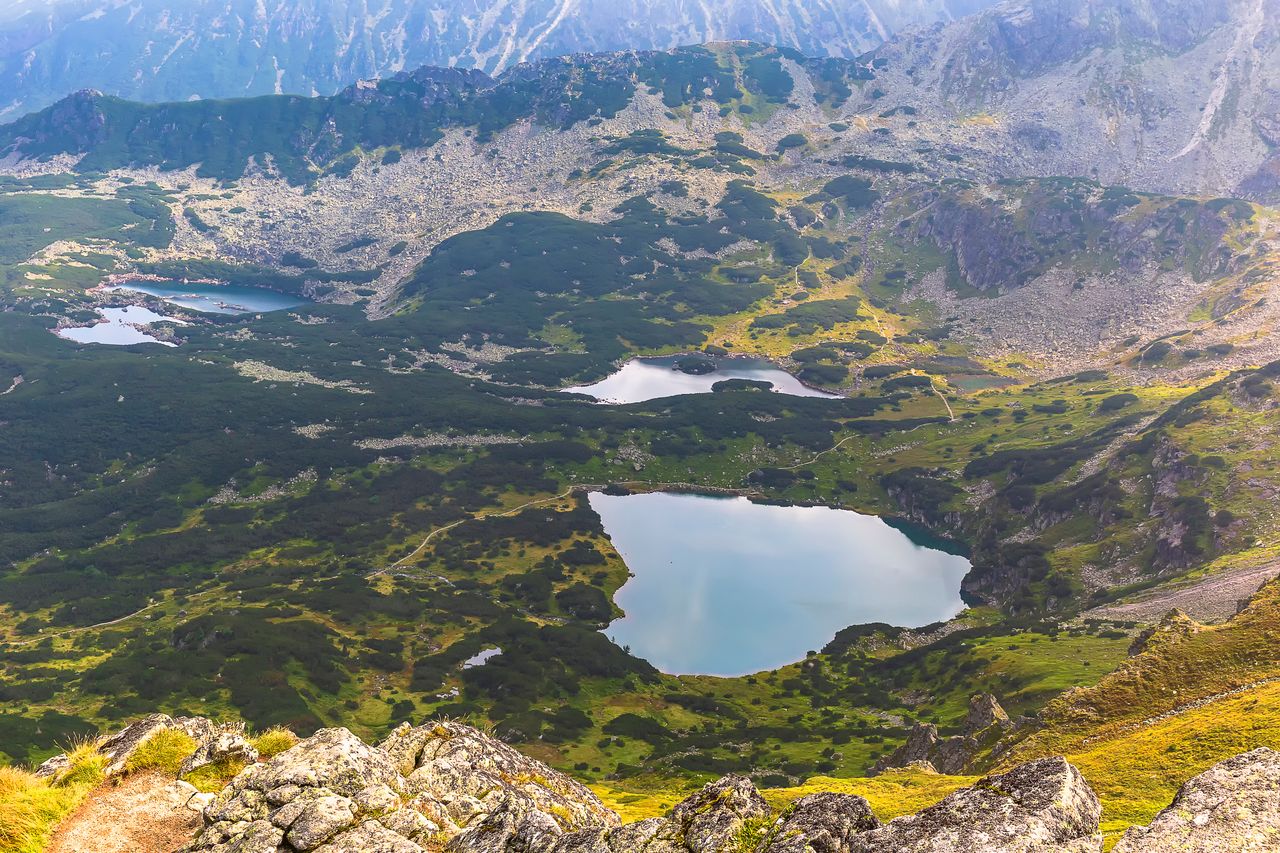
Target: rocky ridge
444, 787
985, 723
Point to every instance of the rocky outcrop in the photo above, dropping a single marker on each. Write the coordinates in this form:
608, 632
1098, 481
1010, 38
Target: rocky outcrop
448, 788
213, 742
985, 722
819, 823
1037, 807
432, 787
1233, 807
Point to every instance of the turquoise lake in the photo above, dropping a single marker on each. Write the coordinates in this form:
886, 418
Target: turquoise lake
643, 379
216, 298
724, 586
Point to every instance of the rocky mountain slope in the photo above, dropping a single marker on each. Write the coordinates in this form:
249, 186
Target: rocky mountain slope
1160, 95
448, 787
163, 51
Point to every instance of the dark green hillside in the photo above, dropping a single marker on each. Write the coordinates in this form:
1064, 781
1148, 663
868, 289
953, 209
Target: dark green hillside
305, 137
610, 285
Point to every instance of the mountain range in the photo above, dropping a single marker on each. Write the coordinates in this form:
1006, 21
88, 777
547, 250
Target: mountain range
155, 50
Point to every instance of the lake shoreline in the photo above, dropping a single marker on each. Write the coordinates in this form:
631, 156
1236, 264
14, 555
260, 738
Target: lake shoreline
724, 368
724, 585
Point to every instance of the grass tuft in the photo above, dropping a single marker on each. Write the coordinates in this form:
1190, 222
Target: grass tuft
164, 751
212, 778
31, 807
274, 741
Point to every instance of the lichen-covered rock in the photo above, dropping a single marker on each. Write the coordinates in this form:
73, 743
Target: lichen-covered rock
513, 825
654, 835
370, 837
453, 763
220, 745
711, 820
309, 795
319, 820
821, 823
464, 791
1233, 807
1042, 806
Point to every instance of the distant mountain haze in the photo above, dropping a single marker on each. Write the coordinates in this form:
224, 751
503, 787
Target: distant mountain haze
163, 50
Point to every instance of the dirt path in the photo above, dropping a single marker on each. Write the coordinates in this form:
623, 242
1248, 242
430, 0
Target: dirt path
142, 814
1209, 599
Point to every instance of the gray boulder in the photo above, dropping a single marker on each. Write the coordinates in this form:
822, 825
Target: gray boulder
309, 796
473, 775
1233, 807
224, 744
821, 823
713, 819
437, 787
1042, 806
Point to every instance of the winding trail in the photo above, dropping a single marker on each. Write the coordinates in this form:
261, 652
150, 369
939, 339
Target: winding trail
934, 388
106, 624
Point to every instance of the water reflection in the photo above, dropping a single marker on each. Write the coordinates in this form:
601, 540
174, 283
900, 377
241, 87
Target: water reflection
649, 378
122, 327
215, 298
726, 587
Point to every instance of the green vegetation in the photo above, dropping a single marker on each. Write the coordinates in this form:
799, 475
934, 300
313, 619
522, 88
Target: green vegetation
30, 807
164, 751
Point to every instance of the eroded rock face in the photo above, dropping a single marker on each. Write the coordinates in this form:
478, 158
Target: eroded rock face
1233, 807
983, 725
1037, 807
821, 823
470, 773
448, 788
442, 786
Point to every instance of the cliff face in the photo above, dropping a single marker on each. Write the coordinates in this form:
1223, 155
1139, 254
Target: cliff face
448, 788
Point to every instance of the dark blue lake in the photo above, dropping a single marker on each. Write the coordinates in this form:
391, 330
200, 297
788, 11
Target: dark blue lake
216, 298
724, 586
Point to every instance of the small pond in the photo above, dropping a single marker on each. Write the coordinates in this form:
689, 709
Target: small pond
724, 586
643, 379
215, 298
122, 327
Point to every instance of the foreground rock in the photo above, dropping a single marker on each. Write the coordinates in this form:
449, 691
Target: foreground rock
438, 786
448, 787
1233, 807
1042, 806
213, 741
